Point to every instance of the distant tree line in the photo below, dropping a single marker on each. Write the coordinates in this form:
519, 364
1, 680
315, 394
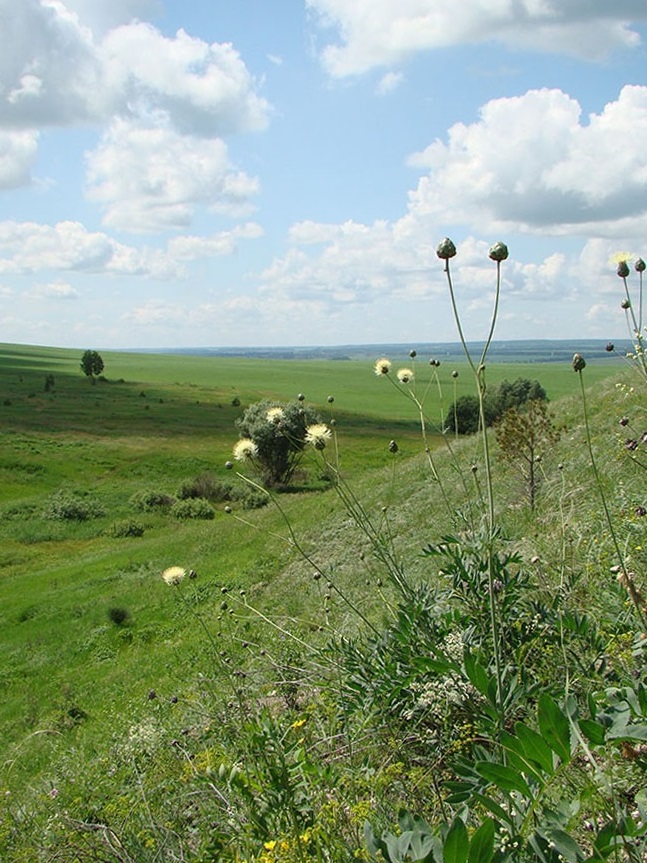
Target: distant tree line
464, 413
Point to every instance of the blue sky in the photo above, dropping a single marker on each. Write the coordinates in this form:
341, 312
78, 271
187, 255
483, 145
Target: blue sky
279, 172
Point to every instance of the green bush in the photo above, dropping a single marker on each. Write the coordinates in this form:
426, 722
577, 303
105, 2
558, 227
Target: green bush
149, 501
118, 615
205, 486
72, 506
255, 500
193, 508
119, 529
464, 413
278, 434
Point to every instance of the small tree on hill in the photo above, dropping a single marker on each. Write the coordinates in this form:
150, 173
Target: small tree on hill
92, 364
278, 435
524, 435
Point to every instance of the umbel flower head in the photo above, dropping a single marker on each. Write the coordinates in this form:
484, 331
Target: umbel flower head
173, 574
275, 415
245, 449
382, 366
318, 435
405, 376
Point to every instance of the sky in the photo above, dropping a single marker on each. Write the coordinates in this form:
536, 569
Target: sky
216, 173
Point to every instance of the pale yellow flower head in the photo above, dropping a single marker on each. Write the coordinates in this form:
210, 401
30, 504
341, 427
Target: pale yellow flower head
382, 367
174, 574
245, 449
405, 376
275, 415
621, 257
318, 435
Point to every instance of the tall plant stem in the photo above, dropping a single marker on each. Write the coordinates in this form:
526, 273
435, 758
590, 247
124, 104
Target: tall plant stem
479, 377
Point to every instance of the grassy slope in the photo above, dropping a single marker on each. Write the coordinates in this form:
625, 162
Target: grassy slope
171, 419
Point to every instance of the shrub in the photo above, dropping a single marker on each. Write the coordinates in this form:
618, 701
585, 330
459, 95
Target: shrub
255, 500
119, 529
193, 508
118, 615
277, 433
464, 416
148, 501
72, 506
205, 486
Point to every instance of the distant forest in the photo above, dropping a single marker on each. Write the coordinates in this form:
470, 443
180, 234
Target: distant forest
516, 351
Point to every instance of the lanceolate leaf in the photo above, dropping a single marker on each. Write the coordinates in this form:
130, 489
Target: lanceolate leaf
457, 843
482, 844
554, 727
535, 747
505, 778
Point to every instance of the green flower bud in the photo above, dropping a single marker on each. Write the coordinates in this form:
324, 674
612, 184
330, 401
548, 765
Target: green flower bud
640, 265
623, 269
446, 249
498, 252
578, 362
625, 304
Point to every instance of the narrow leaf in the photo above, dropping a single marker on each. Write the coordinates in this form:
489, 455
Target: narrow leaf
482, 844
593, 731
505, 778
535, 747
554, 727
456, 846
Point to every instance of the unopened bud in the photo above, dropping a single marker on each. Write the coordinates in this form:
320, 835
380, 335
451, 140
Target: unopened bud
498, 252
640, 265
579, 362
446, 249
623, 269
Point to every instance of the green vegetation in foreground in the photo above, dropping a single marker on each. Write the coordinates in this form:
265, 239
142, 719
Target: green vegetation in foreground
136, 732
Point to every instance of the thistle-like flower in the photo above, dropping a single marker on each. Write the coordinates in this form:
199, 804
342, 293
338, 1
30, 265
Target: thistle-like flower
623, 269
382, 366
640, 265
318, 435
275, 415
446, 249
173, 574
498, 252
405, 376
245, 449
579, 363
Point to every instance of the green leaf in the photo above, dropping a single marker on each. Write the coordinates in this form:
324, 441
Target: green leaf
554, 727
494, 808
535, 748
505, 778
456, 845
593, 731
629, 732
563, 844
482, 844
477, 675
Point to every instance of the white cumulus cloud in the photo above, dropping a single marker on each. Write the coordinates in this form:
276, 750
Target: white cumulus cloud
18, 152
149, 179
530, 163
374, 33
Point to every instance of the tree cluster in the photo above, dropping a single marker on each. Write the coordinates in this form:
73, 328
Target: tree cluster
464, 414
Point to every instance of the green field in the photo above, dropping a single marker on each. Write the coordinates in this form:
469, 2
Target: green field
75, 683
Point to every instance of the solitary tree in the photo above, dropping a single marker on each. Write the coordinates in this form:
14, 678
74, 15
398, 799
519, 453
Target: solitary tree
92, 364
524, 435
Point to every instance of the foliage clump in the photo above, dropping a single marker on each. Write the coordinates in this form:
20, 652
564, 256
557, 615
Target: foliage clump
193, 508
92, 364
125, 528
149, 500
66, 505
205, 486
277, 434
464, 414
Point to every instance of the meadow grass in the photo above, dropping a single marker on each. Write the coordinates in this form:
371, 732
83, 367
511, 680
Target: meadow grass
74, 681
